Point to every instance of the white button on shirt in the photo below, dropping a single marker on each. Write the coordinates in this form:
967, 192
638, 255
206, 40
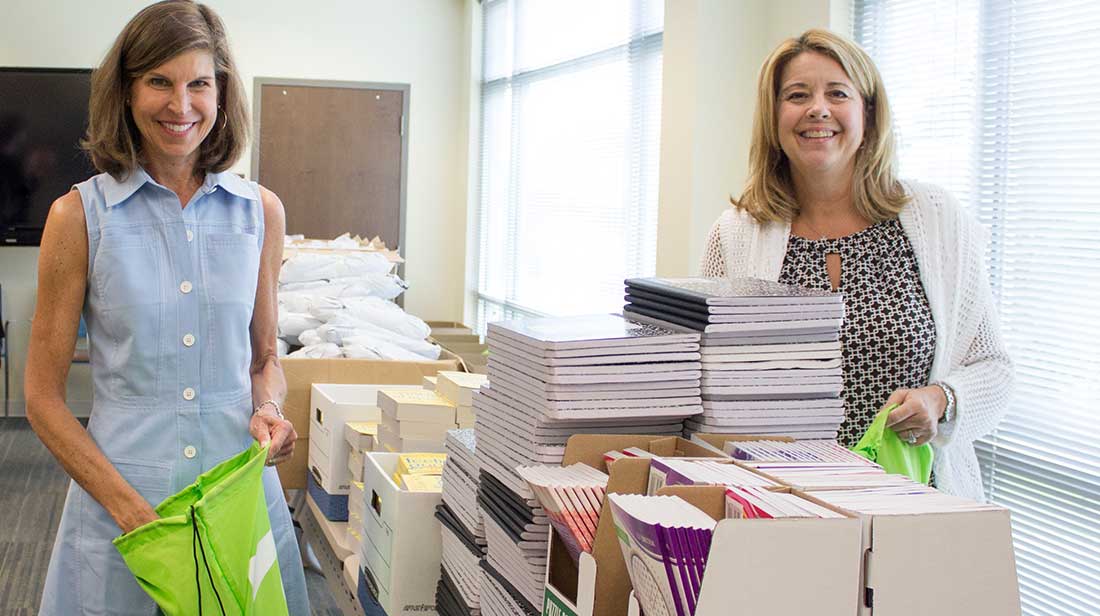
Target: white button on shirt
189, 394
190, 452
190, 235
185, 286
188, 340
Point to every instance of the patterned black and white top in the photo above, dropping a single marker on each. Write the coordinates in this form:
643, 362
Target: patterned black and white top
888, 338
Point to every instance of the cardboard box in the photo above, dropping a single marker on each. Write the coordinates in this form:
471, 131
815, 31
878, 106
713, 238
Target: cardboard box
402, 542
599, 585
302, 373
779, 567
966, 557
717, 442
449, 328
334, 405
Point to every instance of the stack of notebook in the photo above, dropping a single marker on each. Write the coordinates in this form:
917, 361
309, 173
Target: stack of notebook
552, 378
747, 502
463, 531
572, 497
816, 476
665, 542
823, 452
676, 472
771, 354
901, 500
499, 597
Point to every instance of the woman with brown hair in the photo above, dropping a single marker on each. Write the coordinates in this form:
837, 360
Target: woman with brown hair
823, 208
173, 262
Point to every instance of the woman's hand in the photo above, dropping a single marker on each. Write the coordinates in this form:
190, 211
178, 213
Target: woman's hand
267, 427
139, 515
917, 417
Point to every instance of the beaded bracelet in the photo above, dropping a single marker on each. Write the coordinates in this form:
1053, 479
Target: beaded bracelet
278, 411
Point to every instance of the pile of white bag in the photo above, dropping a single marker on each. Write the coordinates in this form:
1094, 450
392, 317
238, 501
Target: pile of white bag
340, 304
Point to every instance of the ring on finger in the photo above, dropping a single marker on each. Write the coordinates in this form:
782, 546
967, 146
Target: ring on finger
912, 440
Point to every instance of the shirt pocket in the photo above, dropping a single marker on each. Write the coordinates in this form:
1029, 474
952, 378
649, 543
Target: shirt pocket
127, 280
232, 267
125, 267
231, 263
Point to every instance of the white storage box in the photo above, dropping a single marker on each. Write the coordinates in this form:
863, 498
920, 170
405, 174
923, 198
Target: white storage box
361, 435
355, 502
355, 465
422, 430
459, 387
393, 443
332, 406
402, 543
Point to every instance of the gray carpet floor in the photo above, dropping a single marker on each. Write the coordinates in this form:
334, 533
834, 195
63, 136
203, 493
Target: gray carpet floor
32, 493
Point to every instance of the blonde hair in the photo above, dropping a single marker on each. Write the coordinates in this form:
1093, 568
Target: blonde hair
769, 192
158, 33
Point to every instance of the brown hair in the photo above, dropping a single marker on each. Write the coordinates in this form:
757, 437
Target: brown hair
769, 192
154, 36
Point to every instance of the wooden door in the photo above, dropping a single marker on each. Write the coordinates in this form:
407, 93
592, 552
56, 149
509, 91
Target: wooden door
334, 154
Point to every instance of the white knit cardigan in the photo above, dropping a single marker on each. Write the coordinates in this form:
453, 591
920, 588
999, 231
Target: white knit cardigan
969, 356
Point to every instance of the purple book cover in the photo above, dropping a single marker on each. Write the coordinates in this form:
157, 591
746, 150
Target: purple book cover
671, 551
702, 547
684, 564
672, 477
645, 552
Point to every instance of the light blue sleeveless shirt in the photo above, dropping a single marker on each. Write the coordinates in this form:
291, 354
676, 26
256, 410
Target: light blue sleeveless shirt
168, 307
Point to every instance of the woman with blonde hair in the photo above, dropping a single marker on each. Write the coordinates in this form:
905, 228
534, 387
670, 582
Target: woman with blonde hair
823, 208
173, 262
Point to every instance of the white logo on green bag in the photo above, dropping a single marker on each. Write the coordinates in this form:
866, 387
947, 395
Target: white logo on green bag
261, 563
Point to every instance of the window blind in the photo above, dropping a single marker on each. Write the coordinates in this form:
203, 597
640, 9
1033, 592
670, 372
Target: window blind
996, 100
569, 147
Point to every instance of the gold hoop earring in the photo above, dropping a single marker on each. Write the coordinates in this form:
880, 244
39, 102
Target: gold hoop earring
225, 118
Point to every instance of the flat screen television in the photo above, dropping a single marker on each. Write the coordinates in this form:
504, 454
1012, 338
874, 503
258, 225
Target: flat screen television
43, 116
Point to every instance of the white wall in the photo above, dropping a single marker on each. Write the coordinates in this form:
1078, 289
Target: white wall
420, 42
713, 50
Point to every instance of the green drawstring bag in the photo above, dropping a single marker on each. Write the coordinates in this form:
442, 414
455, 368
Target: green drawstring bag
212, 550
882, 445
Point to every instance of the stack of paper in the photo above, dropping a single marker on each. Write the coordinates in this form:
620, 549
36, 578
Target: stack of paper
815, 476
414, 420
771, 354
516, 533
760, 503
420, 472
572, 497
499, 597
901, 500
448, 597
678, 472
552, 378
823, 452
463, 531
460, 483
458, 388
665, 542
595, 367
